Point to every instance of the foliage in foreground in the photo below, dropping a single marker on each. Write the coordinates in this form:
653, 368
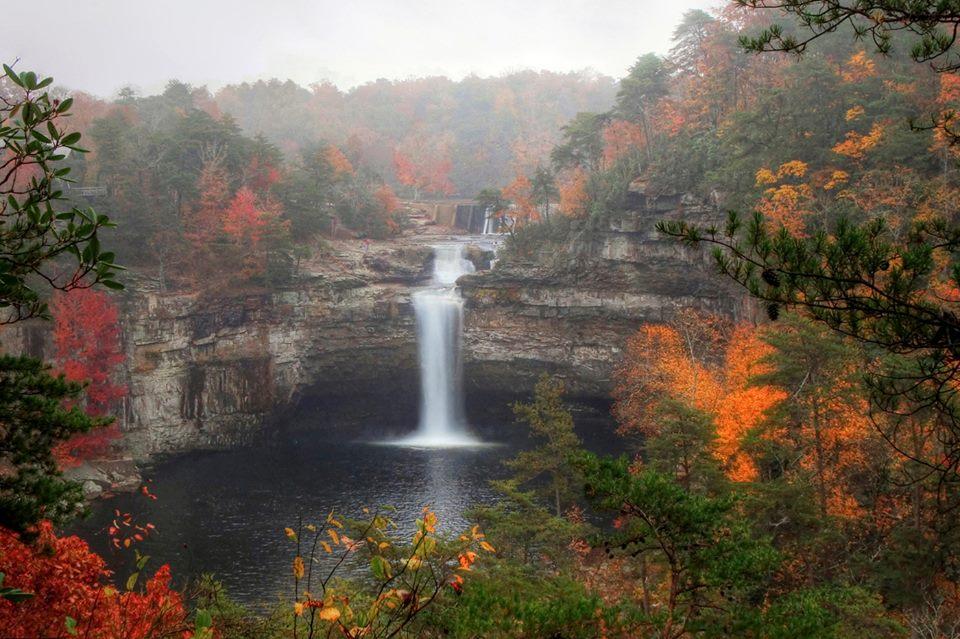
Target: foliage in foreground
42, 241
69, 595
401, 580
36, 420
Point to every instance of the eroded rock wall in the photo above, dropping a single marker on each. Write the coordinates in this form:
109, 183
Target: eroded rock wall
211, 371
571, 309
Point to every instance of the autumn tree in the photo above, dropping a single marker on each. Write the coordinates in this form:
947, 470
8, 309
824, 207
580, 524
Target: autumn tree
687, 390
388, 200
86, 337
822, 431
573, 193
262, 172
860, 279
54, 587
675, 360
206, 218
424, 166
523, 209
787, 199
68, 595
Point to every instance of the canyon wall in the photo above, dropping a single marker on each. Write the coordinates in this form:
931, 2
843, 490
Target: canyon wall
570, 309
210, 371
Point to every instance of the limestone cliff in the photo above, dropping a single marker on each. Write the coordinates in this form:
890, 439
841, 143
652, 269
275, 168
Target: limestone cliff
209, 370
571, 308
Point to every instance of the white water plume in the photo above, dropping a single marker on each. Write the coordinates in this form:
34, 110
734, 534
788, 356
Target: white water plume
439, 314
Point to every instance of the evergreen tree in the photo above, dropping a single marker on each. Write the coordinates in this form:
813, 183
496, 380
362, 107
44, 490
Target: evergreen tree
36, 419
551, 424
645, 84
683, 446
543, 189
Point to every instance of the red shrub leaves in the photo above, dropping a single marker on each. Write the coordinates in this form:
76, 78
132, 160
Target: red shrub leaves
68, 580
86, 337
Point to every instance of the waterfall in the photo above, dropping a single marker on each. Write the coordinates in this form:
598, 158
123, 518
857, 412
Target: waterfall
488, 221
439, 315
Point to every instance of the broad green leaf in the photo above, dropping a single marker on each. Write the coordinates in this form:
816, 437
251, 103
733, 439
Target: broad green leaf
380, 567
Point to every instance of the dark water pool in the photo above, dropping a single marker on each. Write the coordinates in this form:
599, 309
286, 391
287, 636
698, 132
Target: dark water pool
224, 512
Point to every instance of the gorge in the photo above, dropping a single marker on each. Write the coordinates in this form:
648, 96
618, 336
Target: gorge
665, 353
365, 347
216, 371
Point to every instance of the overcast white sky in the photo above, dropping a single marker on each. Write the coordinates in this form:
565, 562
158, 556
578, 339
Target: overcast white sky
349, 42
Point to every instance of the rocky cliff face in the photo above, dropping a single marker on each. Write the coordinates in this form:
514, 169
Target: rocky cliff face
208, 371
571, 308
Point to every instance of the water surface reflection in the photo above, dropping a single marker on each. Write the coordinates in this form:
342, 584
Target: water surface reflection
224, 512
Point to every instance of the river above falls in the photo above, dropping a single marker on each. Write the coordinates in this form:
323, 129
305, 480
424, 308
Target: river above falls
223, 512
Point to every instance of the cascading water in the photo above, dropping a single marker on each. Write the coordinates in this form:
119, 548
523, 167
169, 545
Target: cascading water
489, 222
439, 313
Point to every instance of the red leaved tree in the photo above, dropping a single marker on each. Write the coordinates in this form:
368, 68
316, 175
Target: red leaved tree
86, 338
72, 594
248, 221
260, 175
424, 170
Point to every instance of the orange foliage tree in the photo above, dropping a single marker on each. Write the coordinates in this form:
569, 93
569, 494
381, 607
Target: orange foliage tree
788, 386
621, 137
787, 200
205, 220
745, 403
697, 361
339, 162
523, 210
387, 198
573, 193
823, 430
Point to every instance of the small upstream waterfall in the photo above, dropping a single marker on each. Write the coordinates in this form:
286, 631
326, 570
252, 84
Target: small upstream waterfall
489, 222
439, 313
